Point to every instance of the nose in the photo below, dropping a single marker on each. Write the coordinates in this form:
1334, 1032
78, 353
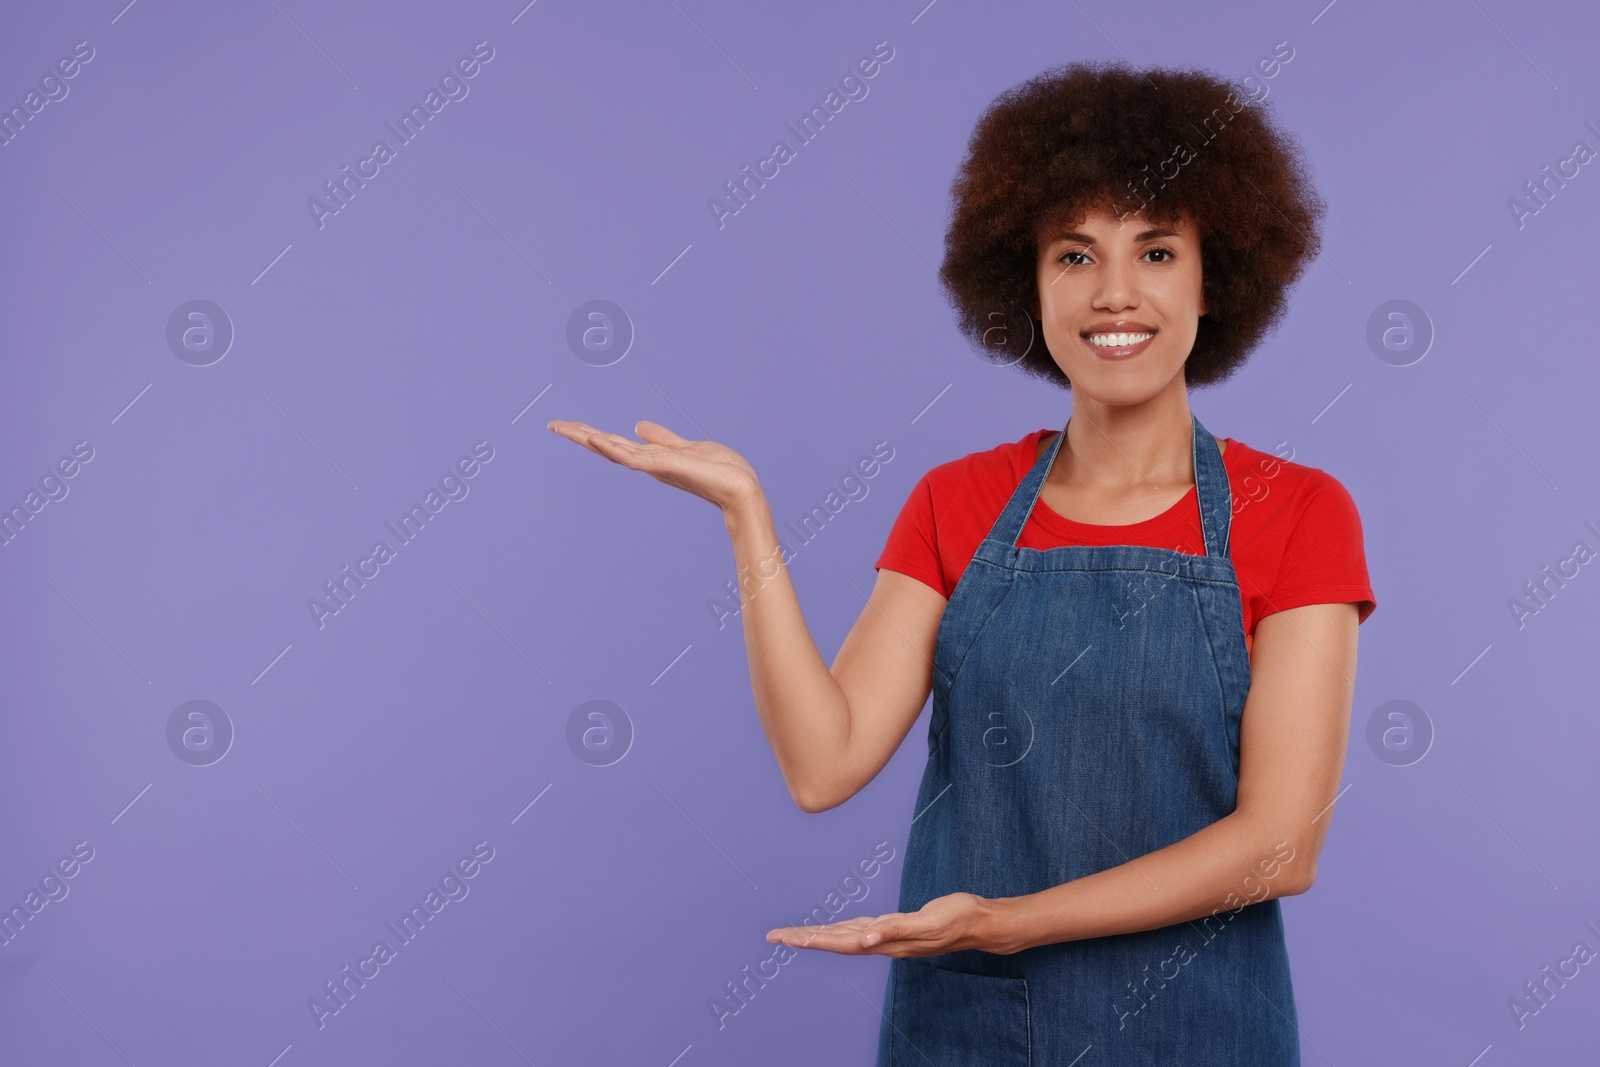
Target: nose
1117, 289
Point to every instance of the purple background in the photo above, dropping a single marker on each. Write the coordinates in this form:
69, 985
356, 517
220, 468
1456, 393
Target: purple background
432, 311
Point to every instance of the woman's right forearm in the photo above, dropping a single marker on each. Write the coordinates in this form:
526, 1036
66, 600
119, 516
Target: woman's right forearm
802, 706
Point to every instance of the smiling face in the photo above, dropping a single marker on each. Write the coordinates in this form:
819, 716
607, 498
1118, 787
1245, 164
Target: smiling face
1120, 302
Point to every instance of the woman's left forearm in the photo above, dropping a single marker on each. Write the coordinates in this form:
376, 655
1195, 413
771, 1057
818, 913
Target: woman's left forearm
1235, 861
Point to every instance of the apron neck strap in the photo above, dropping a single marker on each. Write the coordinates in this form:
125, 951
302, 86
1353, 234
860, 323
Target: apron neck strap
1211, 489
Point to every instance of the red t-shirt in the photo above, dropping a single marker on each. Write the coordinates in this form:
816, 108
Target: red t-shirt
1295, 537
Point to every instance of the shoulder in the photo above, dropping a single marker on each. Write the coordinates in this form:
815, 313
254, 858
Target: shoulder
1297, 530
1003, 465
1289, 509
1251, 469
950, 509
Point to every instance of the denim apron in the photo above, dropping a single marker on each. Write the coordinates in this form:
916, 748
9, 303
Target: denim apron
1086, 708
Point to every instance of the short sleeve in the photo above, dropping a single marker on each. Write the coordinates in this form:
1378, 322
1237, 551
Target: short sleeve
913, 545
1324, 560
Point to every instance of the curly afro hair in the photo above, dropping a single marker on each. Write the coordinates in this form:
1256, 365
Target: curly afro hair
1164, 143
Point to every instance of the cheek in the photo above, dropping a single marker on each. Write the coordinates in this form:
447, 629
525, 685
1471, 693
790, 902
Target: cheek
1065, 347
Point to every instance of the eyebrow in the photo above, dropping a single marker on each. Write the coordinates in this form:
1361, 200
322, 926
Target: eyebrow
1146, 235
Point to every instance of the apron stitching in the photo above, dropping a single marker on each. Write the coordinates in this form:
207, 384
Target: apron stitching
977, 632
1027, 1015
1216, 673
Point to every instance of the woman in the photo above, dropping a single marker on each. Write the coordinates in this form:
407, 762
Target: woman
1140, 640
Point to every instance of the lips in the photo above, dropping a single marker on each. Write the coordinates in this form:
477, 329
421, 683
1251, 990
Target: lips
1126, 339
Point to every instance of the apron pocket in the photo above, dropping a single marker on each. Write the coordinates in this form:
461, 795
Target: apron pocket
954, 1019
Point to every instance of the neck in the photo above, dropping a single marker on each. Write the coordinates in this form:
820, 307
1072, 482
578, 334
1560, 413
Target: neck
1125, 445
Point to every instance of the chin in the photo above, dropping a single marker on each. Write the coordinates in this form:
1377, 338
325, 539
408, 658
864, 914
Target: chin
1117, 386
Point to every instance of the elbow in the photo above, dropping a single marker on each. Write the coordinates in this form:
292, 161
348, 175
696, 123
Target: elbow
1299, 873
812, 801
1293, 887
813, 806
808, 803
1286, 868
815, 797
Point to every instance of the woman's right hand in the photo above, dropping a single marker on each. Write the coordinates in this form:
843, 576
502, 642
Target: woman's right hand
708, 470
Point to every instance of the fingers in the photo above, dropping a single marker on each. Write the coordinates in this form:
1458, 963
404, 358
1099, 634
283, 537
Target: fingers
849, 935
853, 940
658, 434
668, 458
580, 432
572, 431
652, 432
612, 446
823, 939
795, 934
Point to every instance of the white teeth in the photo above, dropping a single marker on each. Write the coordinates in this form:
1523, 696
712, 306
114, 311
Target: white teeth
1118, 340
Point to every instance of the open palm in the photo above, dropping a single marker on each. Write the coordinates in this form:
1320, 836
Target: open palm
944, 924
708, 470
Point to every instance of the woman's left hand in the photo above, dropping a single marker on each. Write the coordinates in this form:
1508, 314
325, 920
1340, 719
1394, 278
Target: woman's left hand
945, 924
